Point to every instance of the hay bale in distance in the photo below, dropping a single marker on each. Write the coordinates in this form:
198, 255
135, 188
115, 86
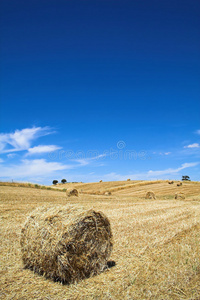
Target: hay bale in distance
72, 192
66, 243
179, 195
107, 193
128, 180
170, 182
150, 195
100, 180
179, 183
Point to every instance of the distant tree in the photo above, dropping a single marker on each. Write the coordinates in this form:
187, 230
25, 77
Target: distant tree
63, 181
186, 178
55, 182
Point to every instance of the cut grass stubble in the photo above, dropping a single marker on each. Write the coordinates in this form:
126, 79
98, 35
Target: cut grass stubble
156, 244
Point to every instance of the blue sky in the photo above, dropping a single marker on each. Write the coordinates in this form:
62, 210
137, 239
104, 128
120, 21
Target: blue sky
96, 90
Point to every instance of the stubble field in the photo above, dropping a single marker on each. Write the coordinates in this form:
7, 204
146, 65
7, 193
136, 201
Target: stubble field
156, 242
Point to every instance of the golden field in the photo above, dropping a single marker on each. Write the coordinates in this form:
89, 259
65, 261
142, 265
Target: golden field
156, 242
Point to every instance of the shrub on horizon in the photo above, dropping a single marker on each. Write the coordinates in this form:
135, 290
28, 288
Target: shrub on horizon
63, 181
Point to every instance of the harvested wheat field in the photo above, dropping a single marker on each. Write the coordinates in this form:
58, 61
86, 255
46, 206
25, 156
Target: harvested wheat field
156, 242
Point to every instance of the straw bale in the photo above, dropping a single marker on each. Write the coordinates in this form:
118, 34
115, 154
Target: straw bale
72, 192
66, 243
170, 182
179, 195
128, 180
107, 193
100, 180
179, 183
150, 195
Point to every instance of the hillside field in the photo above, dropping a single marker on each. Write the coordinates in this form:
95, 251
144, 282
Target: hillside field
156, 242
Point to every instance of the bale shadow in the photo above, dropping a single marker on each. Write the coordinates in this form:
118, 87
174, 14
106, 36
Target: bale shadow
111, 263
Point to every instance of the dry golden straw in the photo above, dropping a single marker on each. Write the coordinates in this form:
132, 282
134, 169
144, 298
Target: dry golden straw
150, 195
66, 243
72, 192
179, 195
107, 193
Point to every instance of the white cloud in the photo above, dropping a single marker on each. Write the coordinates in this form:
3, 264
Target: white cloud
87, 161
11, 155
82, 162
162, 153
30, 168
1, 160
195, 145
42, 149
150, 175
171, 170
35, 168
21, 139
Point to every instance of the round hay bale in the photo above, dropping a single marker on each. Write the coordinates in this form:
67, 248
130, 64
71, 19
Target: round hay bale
170, 182
100, 180
150, 195
179, 195
179, 183
107, 193
128, 180
66, 243
72, 192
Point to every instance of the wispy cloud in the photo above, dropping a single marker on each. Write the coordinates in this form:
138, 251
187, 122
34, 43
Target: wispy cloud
167, 153
150, 175
171, 171
30, 168
87, 161
43, 149
21, 139
195, 145
197, 131
161, 153
11, 155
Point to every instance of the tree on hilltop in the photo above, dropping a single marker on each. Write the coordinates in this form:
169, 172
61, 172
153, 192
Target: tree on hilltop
185, 178
63, 181
55, 182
